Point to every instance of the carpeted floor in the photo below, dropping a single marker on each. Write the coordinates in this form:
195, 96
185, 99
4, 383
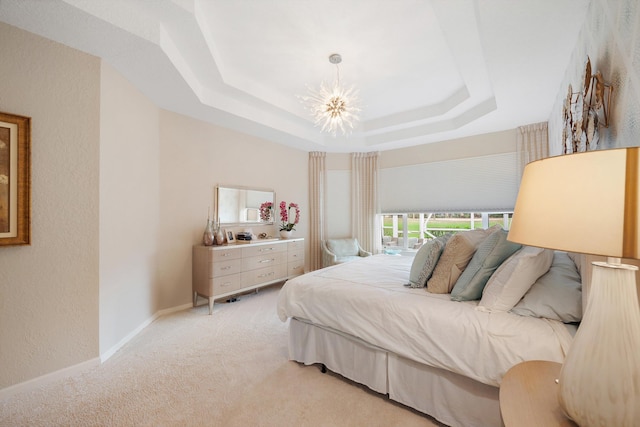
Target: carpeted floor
192, 369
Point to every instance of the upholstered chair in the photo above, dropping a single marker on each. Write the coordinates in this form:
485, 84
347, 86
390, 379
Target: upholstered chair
337, 251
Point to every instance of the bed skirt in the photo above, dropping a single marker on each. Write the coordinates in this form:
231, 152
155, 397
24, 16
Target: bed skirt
450, 398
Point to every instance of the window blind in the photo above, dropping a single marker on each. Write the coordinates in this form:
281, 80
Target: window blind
476, 184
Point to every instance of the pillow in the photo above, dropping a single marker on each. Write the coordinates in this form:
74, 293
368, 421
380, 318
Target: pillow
577, 260
514, 278
555, 295
425, 261
456, 255
490, 254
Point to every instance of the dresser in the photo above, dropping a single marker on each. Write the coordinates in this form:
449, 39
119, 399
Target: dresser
224, 271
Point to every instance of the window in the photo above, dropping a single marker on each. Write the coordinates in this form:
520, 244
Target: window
418, 227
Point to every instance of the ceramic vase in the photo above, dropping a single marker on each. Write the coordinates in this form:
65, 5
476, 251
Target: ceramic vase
219, 236
207, 237
600, 377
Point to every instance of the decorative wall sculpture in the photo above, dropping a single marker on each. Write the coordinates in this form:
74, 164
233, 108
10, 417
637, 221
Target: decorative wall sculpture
581, 112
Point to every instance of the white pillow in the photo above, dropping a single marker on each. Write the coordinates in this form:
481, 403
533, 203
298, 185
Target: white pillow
514, 278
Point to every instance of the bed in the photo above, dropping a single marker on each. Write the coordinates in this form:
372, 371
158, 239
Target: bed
442, 357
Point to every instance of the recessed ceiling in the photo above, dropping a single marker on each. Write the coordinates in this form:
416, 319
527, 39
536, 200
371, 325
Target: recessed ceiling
426, 71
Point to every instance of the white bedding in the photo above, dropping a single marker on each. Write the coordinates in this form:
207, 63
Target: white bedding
366, 298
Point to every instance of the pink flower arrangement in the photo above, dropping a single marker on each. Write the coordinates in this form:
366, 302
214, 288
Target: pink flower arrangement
285, 215
265, 211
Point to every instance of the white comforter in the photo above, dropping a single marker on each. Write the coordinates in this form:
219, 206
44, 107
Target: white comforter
366, 299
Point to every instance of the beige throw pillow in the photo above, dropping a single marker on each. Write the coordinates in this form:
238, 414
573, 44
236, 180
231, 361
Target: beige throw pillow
455, 258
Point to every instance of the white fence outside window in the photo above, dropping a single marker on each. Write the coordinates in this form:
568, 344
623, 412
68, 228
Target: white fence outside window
396, 226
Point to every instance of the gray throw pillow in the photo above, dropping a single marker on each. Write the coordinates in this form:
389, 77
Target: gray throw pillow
490, 254
555, 295
425, 261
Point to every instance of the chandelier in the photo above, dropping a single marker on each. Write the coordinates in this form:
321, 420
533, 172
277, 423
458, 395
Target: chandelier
333, 107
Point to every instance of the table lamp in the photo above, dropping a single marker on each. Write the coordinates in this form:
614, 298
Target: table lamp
588, 203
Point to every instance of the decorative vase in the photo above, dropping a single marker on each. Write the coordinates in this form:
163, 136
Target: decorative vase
207, 237
219, 236
284, 234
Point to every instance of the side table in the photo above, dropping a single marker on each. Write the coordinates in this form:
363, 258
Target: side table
529, 396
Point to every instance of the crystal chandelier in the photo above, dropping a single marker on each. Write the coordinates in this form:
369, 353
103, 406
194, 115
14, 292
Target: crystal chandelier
333, 107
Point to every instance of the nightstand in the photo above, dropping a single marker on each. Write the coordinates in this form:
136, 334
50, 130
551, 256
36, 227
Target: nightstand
529, 396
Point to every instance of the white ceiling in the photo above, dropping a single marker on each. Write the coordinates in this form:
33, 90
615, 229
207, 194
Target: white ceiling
426, 70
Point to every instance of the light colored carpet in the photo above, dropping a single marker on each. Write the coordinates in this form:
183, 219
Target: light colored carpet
192, 369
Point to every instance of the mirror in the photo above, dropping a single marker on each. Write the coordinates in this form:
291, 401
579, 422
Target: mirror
239, 205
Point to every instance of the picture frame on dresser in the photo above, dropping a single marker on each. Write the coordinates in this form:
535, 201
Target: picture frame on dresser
15, 180
229, 236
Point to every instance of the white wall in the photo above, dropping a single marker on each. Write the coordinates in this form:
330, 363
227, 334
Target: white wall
130, 232
49, 290
610, 37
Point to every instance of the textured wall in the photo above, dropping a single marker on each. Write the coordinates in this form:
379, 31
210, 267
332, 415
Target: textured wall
194, 158
130, 233
49, 290
610, 37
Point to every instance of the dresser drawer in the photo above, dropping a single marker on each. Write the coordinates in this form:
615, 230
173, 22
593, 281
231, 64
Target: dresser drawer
295, 268
295, 256
226, 254
297, 245
262, 261
224, 284
263, 275
252, 251
225, 268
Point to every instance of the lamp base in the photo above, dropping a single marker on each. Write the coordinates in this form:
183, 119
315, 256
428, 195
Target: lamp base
600, 377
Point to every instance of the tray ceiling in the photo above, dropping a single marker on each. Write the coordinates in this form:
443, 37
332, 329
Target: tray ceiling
426, 71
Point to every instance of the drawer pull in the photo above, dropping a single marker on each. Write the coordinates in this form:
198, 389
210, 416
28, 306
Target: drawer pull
224, 285
226, 254
297, 267
266, 249
266, 274
226, 268
267, 260
294, 256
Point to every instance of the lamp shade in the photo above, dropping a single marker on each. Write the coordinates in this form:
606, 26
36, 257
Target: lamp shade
584, 202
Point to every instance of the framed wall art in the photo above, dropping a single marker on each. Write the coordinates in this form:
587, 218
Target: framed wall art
15, 180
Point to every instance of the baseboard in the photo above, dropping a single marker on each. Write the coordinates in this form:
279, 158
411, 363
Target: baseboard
174, 309
50, 377
88, 364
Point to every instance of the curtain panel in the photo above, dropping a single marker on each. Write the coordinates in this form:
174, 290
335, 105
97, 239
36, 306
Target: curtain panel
317, 207
532, 144
364, 202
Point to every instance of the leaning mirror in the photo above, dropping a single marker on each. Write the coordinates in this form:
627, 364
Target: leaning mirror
241, 205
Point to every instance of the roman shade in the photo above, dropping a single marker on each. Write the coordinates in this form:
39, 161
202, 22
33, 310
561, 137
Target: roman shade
475, 184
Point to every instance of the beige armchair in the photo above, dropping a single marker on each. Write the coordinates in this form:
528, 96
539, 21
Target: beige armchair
337, 251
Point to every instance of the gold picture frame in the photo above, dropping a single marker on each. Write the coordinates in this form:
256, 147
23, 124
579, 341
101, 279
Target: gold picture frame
15, 180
